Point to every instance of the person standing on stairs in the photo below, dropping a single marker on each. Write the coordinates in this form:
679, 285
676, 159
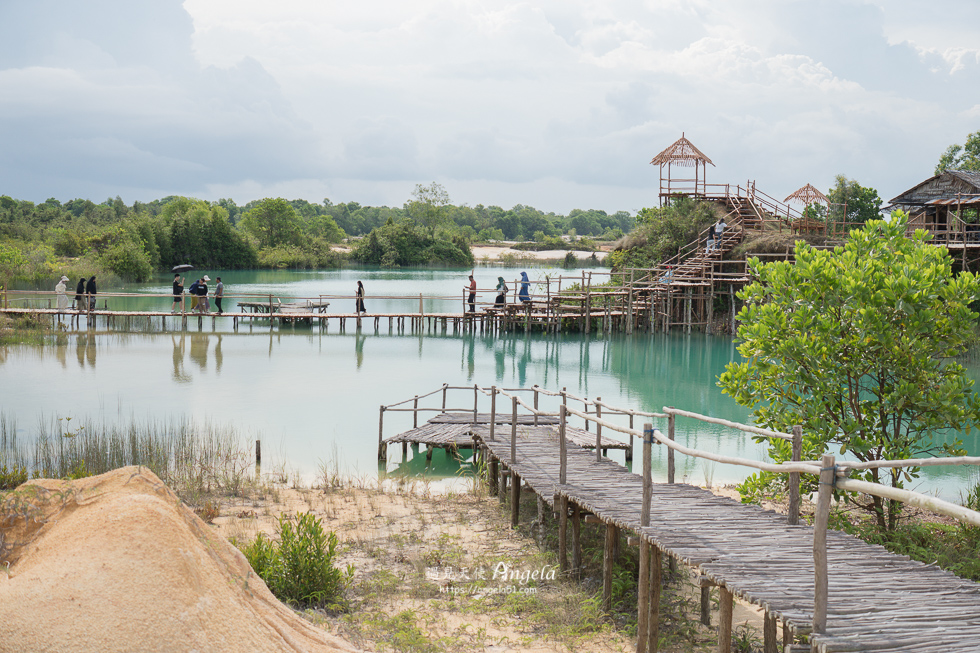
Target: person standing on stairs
714, 234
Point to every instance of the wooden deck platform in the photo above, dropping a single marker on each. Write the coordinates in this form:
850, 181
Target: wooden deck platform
453, 431
879, 601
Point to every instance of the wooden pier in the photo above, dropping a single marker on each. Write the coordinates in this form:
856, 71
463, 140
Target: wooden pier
830, 589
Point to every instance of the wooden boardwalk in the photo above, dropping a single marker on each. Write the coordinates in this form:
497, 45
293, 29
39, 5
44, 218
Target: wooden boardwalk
878, 601
454, 431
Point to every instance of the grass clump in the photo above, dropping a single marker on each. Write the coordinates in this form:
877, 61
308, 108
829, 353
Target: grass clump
299, 568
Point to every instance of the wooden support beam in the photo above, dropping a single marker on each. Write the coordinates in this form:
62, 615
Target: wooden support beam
706, 605
725, 621
770, 645
577, 540
502, 484
607, 566
643, 594
542, 512
492, 476
656, 586
562, 535
515, 500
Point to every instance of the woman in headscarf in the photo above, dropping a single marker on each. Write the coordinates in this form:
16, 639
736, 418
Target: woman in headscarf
525, 293
359, 302
80, 294
501, 293
62, 297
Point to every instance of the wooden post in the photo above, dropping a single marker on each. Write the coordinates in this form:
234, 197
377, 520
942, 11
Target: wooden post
656, 585
542, 511
535, 405
643, 595
476, 397
493, 412
629, 452
562, 452
445, 386
770, 645
515, 498
563, 534
258, 453
820, 518
725, 621
502, 484
421, 311
598, 429
381, 428
493, 475
607, 565
577, 540
794, 477
585, 409
670, 452
706, 604
415, 413
588, 304
513, 431
629, 308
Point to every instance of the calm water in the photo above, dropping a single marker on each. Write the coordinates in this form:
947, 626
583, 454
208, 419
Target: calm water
313, 395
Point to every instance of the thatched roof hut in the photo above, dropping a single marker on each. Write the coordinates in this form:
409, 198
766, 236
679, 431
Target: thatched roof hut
807, 195
682, 153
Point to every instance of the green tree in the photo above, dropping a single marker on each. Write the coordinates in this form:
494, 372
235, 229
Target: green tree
661, 233
862, 203
429, 206
273, 222
856, 345
961, 157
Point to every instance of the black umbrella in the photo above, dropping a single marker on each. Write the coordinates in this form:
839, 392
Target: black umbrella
182, 268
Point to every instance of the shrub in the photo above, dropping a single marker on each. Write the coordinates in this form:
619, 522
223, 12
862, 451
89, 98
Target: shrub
299, 569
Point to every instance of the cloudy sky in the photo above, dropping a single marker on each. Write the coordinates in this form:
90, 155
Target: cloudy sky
558, 104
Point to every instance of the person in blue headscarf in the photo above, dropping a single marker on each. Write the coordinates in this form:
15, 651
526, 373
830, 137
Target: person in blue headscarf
525, 293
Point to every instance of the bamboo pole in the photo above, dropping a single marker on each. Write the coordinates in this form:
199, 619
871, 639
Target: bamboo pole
535, 405
415, 413
670, 450
562, 450
563, 534
476, 398
515, 499
598, 429
381, 427
655, 586
493, 412
794, 478
513, 432
820, 519
576, 540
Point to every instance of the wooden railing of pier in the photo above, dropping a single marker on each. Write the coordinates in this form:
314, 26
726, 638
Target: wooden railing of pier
850, 601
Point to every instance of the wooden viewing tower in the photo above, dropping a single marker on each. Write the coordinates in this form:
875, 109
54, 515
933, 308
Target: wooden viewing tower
683, 154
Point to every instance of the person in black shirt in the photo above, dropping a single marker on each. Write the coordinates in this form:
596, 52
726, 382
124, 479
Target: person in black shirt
80, 294
178, 294
90, 291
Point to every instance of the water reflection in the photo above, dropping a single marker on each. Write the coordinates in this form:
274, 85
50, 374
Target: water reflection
195, 347
85, 350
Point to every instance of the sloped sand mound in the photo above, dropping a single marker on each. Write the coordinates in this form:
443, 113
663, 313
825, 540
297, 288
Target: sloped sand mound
117, 563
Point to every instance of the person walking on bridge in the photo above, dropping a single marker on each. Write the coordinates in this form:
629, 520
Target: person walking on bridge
178, 293
359, 301
62, 297
80, 294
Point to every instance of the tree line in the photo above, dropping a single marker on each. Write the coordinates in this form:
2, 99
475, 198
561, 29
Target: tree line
80, 237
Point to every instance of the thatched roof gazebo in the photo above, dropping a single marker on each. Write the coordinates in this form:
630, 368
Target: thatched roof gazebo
807, 195
684, 154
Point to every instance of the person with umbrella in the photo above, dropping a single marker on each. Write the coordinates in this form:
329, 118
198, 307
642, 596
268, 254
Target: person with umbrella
178, 293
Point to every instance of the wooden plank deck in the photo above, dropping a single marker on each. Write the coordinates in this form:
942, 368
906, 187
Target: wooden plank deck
458, 434
878, 600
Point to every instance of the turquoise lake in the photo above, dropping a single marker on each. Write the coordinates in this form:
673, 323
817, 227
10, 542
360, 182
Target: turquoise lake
313, 395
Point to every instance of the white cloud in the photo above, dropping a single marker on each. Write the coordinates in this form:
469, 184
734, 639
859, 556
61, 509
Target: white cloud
540, 99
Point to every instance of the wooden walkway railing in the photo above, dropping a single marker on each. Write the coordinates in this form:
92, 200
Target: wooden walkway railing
836, 590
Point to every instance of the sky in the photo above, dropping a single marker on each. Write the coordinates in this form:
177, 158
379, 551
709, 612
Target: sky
556, 104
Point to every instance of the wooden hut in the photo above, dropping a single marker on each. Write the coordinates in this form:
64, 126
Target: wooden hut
947, 205
682, 154
807, 196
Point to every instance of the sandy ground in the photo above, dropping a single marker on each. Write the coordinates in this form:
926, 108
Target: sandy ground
492, 253
418, 554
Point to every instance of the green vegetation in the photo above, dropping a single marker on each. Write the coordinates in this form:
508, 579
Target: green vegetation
855, 344
40, 242
299, 568
961, 157
661, 233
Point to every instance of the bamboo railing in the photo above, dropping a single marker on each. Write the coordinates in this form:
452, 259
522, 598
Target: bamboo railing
832, 475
